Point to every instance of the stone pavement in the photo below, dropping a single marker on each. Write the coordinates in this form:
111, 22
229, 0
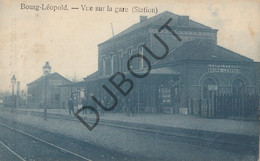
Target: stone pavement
150, 145
174, 121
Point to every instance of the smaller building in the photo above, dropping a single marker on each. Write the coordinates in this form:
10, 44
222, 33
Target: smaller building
44, 90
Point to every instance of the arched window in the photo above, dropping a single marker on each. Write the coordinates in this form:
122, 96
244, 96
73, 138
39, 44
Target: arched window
238, 87
104, 65
209, 85
111, 63
130, 53
120, 61
140, 61
128, 56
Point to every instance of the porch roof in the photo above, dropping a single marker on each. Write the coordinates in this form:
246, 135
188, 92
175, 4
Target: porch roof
155, 71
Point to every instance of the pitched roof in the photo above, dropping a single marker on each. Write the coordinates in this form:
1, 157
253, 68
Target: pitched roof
203, 50
74, 84
91, 76
159, 20
52, 75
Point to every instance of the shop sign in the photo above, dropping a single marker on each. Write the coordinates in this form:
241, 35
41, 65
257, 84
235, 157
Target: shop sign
223, 68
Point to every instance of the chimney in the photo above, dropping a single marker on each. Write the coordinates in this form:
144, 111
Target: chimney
143, 18
183, 20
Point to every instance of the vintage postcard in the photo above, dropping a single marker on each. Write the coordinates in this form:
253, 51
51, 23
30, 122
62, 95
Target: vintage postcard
174, 80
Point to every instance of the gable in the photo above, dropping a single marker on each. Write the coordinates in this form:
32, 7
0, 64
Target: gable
159, 20
52, 76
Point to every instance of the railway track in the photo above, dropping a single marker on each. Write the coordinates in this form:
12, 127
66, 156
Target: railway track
14, 153
66, 152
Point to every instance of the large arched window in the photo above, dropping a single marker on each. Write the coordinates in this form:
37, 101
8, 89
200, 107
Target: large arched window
238, 87
209, 85
130, 52
111, 63
120, 61
140, 61
104, 65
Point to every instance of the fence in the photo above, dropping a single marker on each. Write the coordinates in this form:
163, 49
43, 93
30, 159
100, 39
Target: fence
228, 105
10, 101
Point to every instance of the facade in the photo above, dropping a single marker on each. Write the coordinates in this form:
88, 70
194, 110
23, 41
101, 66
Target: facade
195, 68
44, 90
114, 53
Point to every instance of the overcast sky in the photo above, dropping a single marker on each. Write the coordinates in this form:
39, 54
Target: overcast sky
69, 39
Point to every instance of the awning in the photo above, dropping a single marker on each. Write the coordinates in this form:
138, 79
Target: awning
156, 71
159, 71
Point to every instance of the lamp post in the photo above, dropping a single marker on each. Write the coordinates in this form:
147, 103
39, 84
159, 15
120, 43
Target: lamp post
46, 70
17, 94
78, 95
45, 99
13, 81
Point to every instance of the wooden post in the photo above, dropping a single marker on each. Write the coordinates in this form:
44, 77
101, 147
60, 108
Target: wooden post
214, 104
191, 106
200, 107
138, 96
207, 102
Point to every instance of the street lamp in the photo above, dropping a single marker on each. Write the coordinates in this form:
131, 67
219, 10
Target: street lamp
45, 99
13, 81
46, 70
78, 95
17, 98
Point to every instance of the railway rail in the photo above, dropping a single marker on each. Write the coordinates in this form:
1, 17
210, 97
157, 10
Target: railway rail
246, 145
52, 145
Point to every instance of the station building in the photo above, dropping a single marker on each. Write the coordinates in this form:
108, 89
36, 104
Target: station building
45, 90
195, 68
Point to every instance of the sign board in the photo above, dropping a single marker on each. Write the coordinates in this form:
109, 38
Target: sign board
183, 111
216, 68
213, 87
82, 94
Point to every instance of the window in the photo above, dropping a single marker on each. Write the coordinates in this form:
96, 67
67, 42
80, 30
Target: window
120, 57
165, 95
208, 87
104, 65
112, 64
238, 87
129, 53
57, 97
140, 61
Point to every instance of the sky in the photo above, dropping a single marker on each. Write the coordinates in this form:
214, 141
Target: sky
68, 39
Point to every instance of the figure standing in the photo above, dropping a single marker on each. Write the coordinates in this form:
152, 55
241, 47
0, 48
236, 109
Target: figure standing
63, 105
129, 106
84, 104
71, 106
102, 113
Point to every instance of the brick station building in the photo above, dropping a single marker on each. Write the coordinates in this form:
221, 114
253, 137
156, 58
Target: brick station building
196, 67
